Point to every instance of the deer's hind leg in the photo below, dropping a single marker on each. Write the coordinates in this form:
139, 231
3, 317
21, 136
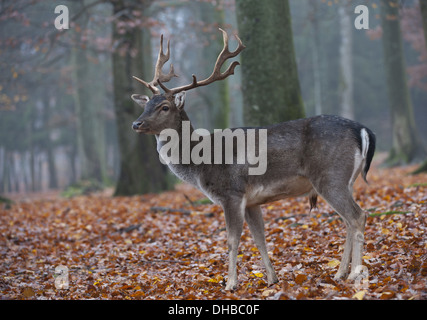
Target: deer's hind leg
339, 197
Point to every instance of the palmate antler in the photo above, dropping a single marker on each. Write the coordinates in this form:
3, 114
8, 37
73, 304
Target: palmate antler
160, 78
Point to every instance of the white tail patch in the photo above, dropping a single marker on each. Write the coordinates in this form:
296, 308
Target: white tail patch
358, 162
359, 157
365, 147
365, 142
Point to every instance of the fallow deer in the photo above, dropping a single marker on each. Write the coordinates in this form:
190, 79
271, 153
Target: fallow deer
321, 155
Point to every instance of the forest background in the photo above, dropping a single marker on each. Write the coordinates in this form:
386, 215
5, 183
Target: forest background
65, 107
67, 146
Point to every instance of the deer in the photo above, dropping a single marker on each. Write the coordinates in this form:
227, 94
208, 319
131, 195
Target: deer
316, 156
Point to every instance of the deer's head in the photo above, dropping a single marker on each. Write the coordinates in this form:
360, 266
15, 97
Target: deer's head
163, 110
160, 112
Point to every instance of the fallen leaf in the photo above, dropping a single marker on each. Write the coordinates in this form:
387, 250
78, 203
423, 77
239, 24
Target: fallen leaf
385, 231
28, 292
333, 263
118, 248
359, 295
300, 278
268, 292
387, 295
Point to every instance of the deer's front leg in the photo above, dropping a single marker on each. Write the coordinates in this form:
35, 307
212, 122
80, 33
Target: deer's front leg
234, 210
256, 226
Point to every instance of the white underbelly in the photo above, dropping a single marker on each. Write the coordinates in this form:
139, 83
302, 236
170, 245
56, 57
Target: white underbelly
259, 194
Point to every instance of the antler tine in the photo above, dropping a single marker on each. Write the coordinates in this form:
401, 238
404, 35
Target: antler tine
224, 56
162, 58
148, 85
216, 73
239, 48
159, 77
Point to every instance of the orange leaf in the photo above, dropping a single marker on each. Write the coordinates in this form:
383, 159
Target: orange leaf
299, 279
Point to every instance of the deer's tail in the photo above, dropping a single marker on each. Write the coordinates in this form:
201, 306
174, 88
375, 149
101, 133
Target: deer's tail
367, 149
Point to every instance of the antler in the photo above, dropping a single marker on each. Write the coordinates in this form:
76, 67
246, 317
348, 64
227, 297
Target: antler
216, 75
158, 75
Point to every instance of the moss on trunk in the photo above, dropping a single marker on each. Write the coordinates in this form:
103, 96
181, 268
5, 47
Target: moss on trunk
270, 85
406, 144
140, 168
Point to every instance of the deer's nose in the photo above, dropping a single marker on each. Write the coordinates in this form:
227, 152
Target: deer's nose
136, 125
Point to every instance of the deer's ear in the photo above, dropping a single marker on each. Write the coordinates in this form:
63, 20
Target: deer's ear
180, 100
140, 99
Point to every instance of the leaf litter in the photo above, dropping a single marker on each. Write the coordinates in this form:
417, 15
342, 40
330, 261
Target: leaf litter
173, 246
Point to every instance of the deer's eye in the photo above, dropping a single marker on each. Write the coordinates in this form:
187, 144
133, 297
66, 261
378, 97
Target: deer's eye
165, 108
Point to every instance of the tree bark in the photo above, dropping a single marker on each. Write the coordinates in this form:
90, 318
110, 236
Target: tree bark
90, 127
86, 122
140, 168
346, 61
423, 9
315, 55
218, 91
406, 143
270, 85
50, 151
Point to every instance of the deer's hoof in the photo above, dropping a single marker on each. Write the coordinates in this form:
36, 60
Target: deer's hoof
353, 276
273, 281
231, 285
340, 275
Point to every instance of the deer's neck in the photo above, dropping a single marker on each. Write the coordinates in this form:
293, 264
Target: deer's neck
180, 144
184, 117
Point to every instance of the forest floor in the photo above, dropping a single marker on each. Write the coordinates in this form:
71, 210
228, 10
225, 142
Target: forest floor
173, 246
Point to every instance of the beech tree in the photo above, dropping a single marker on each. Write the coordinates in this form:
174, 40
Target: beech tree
346, 60
423, 9
270, 85
406, 143
88, 90
140, 168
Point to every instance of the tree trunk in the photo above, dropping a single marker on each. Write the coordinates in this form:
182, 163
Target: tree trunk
218, 91
406, 143
270, 85
140, 168
423, 9
49, 147
90, 127
315, 45
346, 61
87, 140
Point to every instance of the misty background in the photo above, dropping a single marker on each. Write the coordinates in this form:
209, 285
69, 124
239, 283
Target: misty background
65, 107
